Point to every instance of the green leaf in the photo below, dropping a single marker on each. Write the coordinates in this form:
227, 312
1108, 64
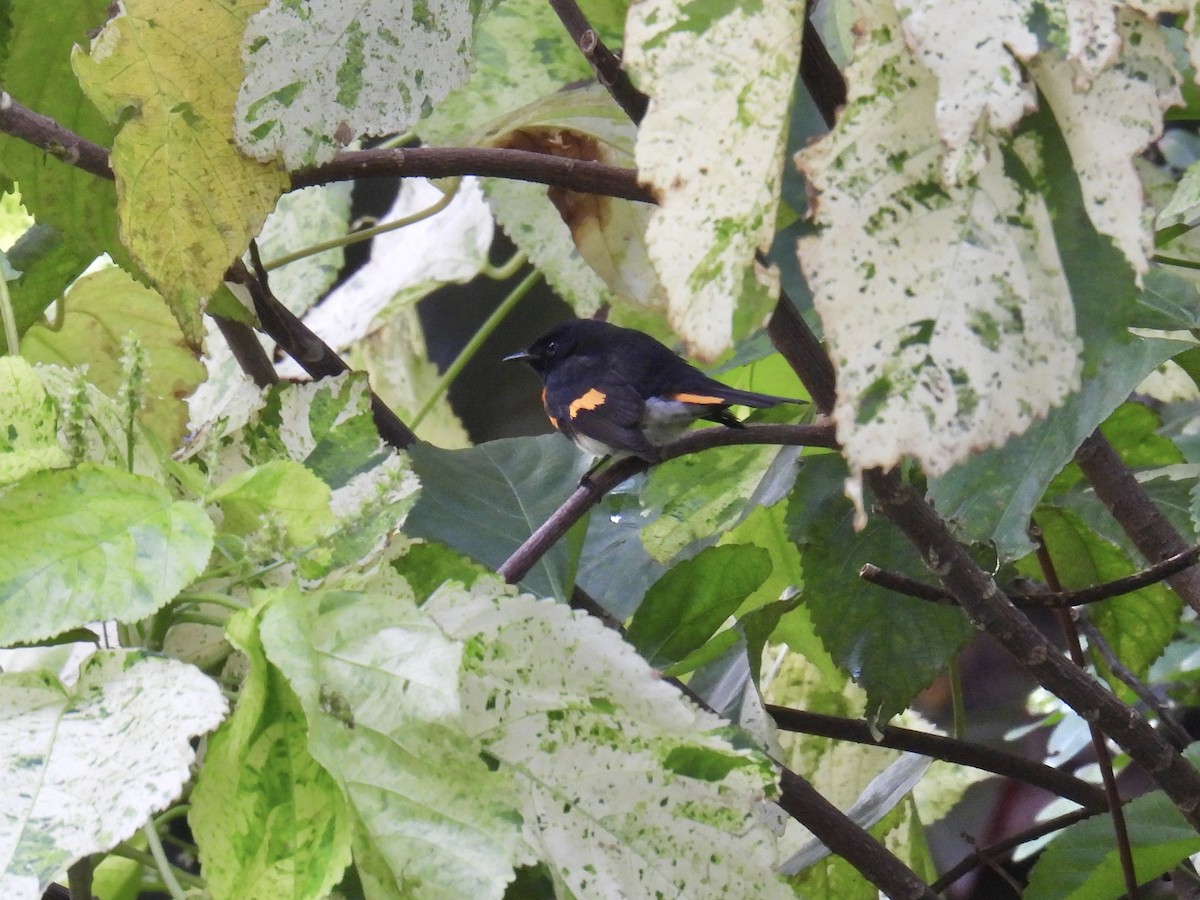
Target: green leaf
100, 310
28, 423
892, 645
379, 683
426, 567
47, 265
991, 496
486, 500
78, 207
85, 766
626, 788
1168, 301
1137, 626
704, 494
268, 820
328, 427
280, 494
1082, 863
174, 150
693, 599
93, 543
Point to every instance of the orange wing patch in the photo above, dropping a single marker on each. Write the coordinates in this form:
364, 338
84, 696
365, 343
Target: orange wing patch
704, 399
591, 400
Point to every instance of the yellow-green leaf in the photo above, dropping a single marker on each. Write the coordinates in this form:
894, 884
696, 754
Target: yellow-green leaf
188, 201
100, 310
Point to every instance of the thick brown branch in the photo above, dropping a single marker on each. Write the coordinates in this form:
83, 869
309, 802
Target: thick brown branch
430, 162
1151, 532
977, 756
988, 609
804, 803
439, 162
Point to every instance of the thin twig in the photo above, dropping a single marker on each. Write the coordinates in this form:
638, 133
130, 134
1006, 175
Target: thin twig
605, 63
1099, 744
911, 587
1126, 499
974, 859
966, 753
1177, 734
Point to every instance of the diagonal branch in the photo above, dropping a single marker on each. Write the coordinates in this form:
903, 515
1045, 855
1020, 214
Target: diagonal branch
977, 756
316, 357
605, 63
589, 493
1151, 532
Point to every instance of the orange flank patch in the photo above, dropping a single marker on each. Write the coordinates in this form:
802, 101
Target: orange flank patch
592, 399
545, 406
698, 398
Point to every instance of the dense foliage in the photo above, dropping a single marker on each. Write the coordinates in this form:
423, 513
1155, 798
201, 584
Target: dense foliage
276, 630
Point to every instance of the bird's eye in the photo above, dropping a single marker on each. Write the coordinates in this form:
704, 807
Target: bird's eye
551, 348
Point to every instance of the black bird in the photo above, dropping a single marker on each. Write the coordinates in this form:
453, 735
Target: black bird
618, 392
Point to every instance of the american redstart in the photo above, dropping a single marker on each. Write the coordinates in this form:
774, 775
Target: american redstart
618, 392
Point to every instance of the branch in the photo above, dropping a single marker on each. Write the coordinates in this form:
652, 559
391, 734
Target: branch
580, 175
313, 355
990, 611
804, 803
589, 493
45, 133
903, 584
1099, 744
977, 857
977, 756
430, 162
249, 353
1176, 733
1151, 531
987, 608
605, 64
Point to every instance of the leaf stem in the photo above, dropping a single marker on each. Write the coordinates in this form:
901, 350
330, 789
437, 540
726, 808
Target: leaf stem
366, 234
954, 673
148, 860
198, 597
484, 331
1176, 261
505, 270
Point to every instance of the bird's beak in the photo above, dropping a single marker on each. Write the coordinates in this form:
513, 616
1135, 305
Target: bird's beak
520, 356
